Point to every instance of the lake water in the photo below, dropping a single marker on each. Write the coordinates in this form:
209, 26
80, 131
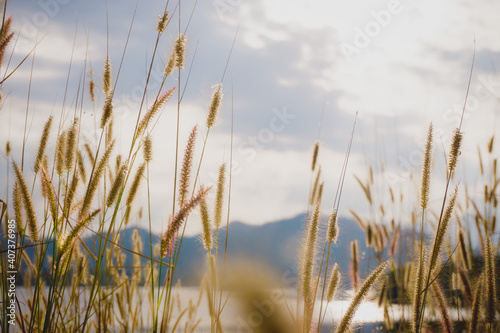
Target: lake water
366, 317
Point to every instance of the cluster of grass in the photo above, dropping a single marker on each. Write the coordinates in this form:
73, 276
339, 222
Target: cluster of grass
80, 186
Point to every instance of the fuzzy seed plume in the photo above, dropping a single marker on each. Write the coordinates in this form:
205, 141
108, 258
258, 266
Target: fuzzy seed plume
354, 264
18, 207
180, 50
315, 155
490, 281
117, 185
333, 283
27, 203
90, 153
475, 312
417, 297
219, 196
70, 194
94, 181
148, 149
50, 194
8, 149
465, 283
464, 256
426, 170
6, 37
206, 225
215, 104
312, 198
186, 166
454, 151
60, 152
81, 165
106, 76
309, 253
71, 140
170, 66
346, 321
135, 184
162, 22
67, 241
92, 91
442, 306
107, 111
332, 232
153, 110
490, 144
43, 143
441, 232
168, 239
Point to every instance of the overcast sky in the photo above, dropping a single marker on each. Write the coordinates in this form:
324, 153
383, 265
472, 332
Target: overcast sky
399, 64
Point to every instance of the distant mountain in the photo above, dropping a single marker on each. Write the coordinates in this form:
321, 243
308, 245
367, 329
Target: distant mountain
276, 244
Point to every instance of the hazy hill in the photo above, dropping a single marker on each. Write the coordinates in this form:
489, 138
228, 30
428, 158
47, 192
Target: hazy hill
277, 244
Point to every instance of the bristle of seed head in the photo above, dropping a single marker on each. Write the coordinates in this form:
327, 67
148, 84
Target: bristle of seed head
308, 256
180, 50
346, 321
107, 110
27, 203
168, 239
117, 185
186, 166
426, 170
215, 104
148, 149
219, 197
206, 225
454, 151
43, 143
135, 184
162, 22
71, 140
333, 283
153, 110
315, 155
106, 77
332, 232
